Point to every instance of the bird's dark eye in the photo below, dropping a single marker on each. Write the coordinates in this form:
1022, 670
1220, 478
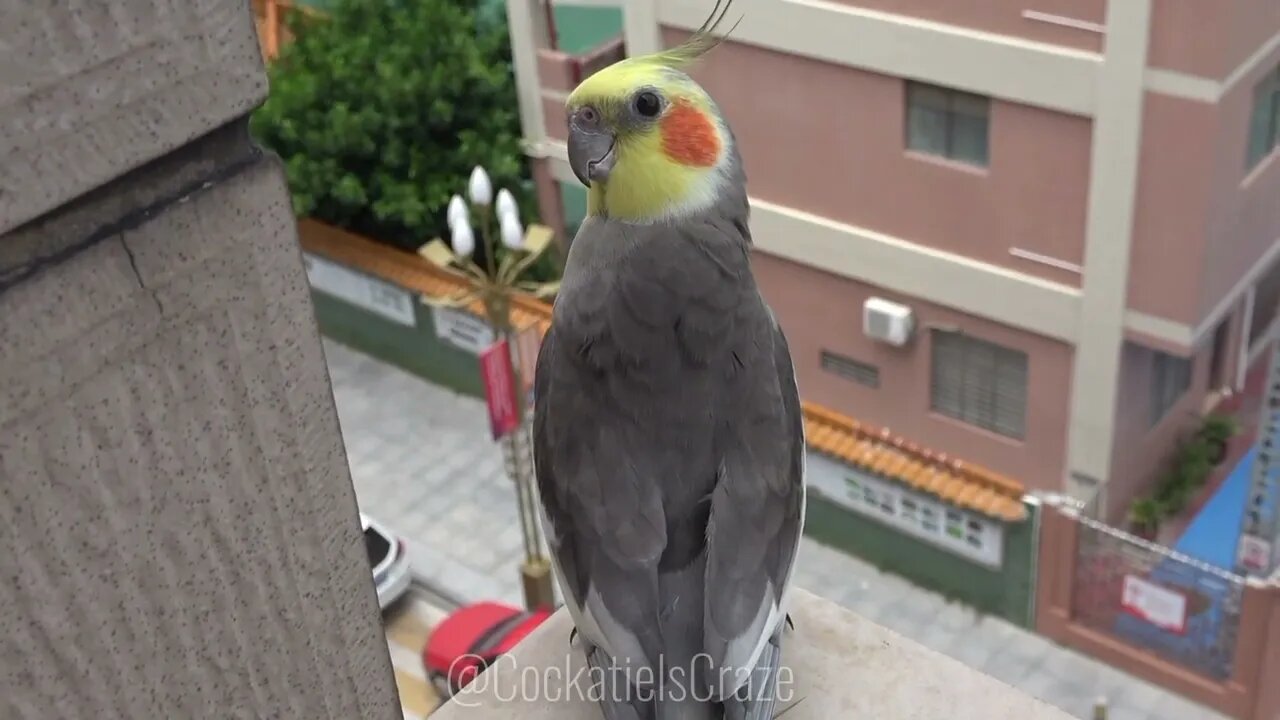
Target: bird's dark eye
648, 104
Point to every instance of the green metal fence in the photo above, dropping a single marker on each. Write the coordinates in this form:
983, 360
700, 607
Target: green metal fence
418, 350
1006, 590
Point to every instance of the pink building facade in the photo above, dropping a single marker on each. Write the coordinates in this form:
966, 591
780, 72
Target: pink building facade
1074, 204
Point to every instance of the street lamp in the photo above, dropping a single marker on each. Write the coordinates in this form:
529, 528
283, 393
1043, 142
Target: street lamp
494, 286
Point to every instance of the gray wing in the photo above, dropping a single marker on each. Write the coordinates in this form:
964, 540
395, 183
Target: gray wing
757, 516
597, 538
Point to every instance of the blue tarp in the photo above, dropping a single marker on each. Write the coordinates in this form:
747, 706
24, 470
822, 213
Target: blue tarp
1213, 600
1214, 533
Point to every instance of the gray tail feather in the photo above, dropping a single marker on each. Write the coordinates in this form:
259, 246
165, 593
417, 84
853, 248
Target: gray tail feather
619, 700
756, 698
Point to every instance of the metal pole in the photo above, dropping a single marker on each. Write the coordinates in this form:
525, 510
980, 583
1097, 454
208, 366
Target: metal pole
535, 571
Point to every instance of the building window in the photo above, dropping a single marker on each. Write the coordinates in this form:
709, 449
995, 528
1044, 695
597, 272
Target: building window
850, 369
1266, 301
1170, 378
979, 382
948, 123
1264, 123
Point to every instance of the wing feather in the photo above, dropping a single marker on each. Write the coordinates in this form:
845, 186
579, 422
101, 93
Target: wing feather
760, 499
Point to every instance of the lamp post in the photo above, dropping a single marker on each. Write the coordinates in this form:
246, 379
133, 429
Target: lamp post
494, 286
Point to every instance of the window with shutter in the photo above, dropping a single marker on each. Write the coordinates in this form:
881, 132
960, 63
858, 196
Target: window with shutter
979, 382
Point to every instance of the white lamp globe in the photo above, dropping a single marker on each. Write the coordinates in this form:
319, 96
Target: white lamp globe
480, 189
512, 233
457, 209
506, 205
463, 240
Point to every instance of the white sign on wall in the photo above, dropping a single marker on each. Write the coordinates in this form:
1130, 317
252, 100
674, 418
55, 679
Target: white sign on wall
1158, 605
969, 535
1255, 554
360, 290
462, 329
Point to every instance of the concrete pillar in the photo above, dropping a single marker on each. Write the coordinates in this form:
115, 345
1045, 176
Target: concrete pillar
181, 534
1117, 136
1055, 568
1258, 651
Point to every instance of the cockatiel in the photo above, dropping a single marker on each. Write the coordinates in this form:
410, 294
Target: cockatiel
668, 438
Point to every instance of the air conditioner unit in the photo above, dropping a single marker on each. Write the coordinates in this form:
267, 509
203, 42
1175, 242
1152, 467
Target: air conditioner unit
887, 321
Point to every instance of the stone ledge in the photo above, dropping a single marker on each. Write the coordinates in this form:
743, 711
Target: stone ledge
842, 666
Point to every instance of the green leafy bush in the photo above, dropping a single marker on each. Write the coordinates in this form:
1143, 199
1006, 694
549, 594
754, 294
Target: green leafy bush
1218, 429
1146, 514
1191, 465
381, 108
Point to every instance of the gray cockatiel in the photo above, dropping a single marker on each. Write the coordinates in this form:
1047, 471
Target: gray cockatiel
668, 436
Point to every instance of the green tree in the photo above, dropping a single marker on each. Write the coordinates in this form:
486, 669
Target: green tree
381, 108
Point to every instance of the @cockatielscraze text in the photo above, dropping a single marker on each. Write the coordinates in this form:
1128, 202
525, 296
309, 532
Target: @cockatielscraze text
572, 681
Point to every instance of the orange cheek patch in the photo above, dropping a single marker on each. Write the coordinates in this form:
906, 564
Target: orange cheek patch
688, 137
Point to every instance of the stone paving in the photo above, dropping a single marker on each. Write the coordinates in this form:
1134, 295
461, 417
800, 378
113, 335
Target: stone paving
423, 463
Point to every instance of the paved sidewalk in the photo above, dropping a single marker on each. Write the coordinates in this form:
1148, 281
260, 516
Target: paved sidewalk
423, 463
408, 623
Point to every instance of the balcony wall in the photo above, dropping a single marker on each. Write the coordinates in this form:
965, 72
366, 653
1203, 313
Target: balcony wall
1008, 17
838, 665
560, 72
1210, 39
845, 158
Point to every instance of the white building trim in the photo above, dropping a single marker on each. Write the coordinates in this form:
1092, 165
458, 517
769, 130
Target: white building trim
1193, 87
1188, 336
640, 26
1169, 331
997, 293
902, 46
1182, 85
1002, 66
1117, 134
528, 29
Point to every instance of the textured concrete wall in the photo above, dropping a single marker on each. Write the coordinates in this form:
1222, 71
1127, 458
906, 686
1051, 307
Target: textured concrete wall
178, 530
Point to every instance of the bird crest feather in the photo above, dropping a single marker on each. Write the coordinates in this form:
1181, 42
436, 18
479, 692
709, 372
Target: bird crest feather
702, 41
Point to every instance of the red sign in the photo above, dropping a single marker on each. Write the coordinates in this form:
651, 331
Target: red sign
499, 389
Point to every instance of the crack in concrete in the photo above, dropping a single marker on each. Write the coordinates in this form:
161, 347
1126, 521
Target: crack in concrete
129, 221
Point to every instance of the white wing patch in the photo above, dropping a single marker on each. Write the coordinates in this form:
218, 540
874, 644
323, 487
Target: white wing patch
593, 620
743, 652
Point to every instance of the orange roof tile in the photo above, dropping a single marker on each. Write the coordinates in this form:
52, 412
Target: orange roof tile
879, 451
858, 444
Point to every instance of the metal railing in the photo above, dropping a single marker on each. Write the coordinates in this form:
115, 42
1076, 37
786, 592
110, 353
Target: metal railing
1154, 598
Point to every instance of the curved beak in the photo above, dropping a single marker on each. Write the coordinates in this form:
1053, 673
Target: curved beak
591, 154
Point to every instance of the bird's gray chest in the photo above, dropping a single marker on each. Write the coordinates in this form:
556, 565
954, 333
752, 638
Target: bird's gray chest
618, 338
